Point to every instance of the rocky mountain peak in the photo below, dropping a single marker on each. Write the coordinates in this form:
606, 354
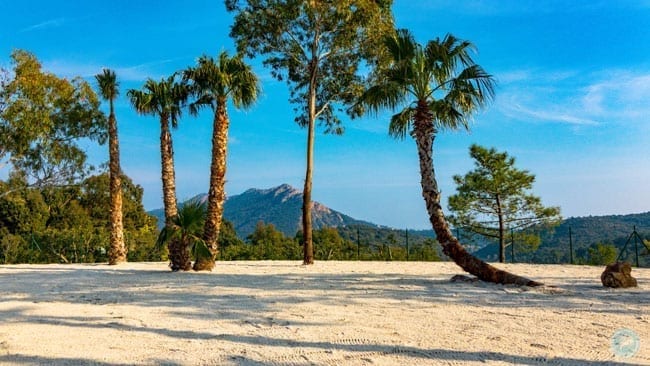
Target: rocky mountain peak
280, 206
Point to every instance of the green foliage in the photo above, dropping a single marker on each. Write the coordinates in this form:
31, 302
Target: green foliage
4, 81
440, 77
602, 254
140, 227
108, 85
317, 47
494, 201
70, 224
42, 119
329, 245
227, 77
268, 243
586, 232
186, 230
164, 99
384, 243
230, 246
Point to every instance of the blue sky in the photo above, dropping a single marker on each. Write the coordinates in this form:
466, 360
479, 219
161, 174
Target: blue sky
572, 102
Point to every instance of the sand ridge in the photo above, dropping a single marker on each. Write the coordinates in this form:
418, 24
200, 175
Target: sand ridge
332, 313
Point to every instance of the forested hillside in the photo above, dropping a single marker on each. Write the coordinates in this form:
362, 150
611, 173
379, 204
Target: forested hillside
586, 233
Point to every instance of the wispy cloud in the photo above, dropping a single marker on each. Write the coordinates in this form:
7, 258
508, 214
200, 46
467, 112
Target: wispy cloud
52, 23
506, 7
622, 95
534, 76
142, 71
138, 72
519, 111
575, 98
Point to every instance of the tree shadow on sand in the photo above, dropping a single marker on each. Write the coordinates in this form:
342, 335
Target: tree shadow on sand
101, 286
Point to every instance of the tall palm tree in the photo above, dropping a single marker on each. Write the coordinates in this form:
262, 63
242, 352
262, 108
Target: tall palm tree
441, 87
164, 99
212, 83
108, 88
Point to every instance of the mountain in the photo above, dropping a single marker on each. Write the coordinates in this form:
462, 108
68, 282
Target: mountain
280, 206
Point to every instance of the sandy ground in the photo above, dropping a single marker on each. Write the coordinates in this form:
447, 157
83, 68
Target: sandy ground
332, 313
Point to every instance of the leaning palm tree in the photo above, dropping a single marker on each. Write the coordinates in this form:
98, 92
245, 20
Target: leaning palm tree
164, 99
212, 83
108, 88
441, 87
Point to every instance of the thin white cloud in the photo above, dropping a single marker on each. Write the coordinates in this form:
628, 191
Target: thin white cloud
142, 71
507, 7
139, 72
52, 23
513, 76
533, 76
575, 98
519, 111
622, 95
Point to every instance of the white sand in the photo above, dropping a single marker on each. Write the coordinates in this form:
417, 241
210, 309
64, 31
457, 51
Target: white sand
332, 313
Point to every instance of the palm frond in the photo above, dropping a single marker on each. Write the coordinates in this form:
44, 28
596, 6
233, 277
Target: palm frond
108, 85
401, 45
186, 226
471, 89
446, 116
192, 216
200, 250
166, 97
141, 101
387, 95
400, 123
222, 78
441, 75
167, 234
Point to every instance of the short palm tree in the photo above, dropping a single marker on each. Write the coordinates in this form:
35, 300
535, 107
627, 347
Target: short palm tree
441, 87
164, 99
108, 88
213, 82
184, 234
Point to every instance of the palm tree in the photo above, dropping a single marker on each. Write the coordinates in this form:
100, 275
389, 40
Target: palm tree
164, 99
184, 234
443, 87
108, 88
212, 83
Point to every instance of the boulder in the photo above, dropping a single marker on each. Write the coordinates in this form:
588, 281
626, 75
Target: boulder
463, 278
618, 275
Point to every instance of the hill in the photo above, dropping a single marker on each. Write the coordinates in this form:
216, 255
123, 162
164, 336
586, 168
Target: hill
280, 206
585, 233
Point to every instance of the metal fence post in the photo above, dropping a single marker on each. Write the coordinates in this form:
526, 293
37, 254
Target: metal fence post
570, 245
512, 245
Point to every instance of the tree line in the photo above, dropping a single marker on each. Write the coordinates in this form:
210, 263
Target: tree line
341, 57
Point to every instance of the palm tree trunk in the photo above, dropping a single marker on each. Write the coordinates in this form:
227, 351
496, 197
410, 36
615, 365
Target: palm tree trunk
308, 249
177, 253
168, 174
424, 137
217, 192
117, 251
